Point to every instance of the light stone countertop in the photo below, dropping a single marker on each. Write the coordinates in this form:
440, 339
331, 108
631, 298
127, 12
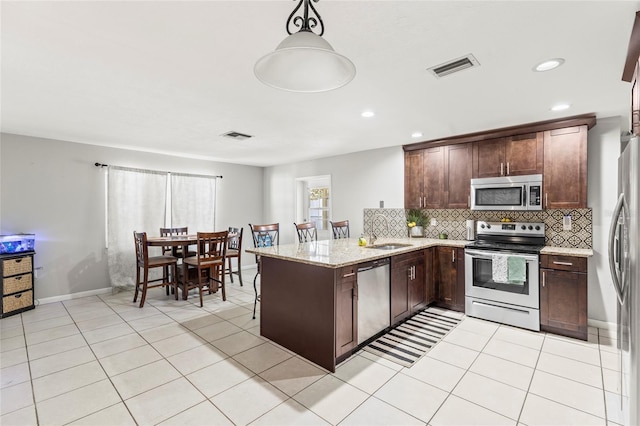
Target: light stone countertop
565, 251
344, 252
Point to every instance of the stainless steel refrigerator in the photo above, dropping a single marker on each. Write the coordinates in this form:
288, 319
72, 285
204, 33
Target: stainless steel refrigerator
624, 261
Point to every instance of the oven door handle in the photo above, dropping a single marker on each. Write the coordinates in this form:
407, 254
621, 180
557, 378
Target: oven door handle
488, 254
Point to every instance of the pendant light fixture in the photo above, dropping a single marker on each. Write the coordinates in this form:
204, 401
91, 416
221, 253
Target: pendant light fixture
304, 61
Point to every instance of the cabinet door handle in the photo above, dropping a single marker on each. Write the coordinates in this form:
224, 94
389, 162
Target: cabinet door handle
501, 169
469, 201
563, 263
544, 278
420, 201
348, 275
424, 203
507, 168
453, 256
546, 200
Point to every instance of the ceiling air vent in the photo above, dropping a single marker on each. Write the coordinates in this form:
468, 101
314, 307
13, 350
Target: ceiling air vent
454, 65
236, 135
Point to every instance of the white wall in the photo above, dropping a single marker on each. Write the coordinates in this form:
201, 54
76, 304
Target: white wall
603, 152
52, 188
360, 180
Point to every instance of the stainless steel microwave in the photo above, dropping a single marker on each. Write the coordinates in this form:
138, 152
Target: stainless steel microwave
507, 193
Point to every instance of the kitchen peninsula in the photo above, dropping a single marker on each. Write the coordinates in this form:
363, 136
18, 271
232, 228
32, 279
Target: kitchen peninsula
309, 291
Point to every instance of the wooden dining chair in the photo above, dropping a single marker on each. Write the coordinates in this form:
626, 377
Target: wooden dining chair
172, 250
263, 236
144, 263
340, 229
306, 232
234, 250
209, 263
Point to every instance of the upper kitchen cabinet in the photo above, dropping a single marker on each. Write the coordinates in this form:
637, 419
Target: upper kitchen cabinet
413, 179
458, 170
565, 168
508, 156
434, 178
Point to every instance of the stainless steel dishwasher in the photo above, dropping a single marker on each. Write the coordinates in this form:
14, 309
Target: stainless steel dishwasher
374, 303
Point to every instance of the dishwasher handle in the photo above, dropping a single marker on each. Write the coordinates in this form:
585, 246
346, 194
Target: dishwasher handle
373, 264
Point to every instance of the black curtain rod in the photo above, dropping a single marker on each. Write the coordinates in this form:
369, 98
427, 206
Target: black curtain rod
175, 173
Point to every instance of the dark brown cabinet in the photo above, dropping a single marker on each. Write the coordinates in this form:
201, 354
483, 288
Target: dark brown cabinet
413, 179
563, 295
430, 275
346, 309
457, 172
508, 156
450, 278
407, 285
16, 281
565, 168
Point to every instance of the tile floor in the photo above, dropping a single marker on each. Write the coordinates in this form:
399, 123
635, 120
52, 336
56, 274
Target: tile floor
101, 360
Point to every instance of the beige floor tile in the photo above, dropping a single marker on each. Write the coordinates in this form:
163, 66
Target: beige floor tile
380, 360
217, 331
262, 395
9, 332
91, 314
11, 322
571, 350
67, 380
364, 374
435, 372
568, 392
134, 314
100, 322
62, 361
22, 417
570, 369
14, 375
12, 343
13, 357
245, 321
453, 354
331, 398
219, 377
56, 346
467, 339
163, 402
197, 358
608, 344
606, 332
611, 380
230, 311
128, 360
507, 372
238, 342
106, 333
512, 352
144, 378
610, 360
176, 344
15, 397
76, 404
33, 327
51, 334
43, 312
82, 301
457, 411
493, 395
119, 344
478, 326
204, 413
290, 413
538, 411
412, 396
591, 342
293, 375
262, 357
530, 339
115, 415
150, 322
376, 412
193, 317
613, 403
163, 332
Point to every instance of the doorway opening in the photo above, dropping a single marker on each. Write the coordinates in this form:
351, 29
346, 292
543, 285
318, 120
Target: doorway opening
313, 203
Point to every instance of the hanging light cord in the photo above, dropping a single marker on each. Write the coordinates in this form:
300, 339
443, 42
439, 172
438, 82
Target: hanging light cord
305, 22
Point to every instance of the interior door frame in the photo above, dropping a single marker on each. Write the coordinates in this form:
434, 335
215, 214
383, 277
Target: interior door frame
301, 206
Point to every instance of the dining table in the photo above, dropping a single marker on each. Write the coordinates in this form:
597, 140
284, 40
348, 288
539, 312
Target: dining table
176, 242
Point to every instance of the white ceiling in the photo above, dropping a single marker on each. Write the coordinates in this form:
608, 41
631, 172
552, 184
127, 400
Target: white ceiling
171, 77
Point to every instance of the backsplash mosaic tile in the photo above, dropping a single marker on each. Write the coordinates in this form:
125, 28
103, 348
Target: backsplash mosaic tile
452, 222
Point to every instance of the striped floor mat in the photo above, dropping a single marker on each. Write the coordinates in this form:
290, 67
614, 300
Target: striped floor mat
409, 341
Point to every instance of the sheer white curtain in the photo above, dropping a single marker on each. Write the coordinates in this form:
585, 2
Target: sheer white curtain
193, 202
136, 202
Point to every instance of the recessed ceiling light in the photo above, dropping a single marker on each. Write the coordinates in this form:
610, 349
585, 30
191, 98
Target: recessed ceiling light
549, 65
367, 114
560, 107
416, 134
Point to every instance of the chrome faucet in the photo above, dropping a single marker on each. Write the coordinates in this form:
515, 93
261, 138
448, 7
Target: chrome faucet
372, 236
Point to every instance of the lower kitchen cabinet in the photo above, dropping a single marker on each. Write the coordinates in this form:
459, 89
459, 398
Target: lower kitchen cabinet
430, 275
346, 309
407, 285
16, 282
449, 267
563, 295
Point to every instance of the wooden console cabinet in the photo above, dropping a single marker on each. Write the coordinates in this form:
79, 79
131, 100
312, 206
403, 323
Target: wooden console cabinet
563, 295
16, 281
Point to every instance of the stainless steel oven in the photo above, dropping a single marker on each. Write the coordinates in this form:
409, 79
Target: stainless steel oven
514, 302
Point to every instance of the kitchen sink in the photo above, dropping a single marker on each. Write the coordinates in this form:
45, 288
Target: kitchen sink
389, 246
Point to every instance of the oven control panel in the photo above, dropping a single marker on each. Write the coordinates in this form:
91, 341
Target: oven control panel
533, 229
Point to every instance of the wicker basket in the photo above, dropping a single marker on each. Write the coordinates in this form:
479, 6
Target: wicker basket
17, 301
20, 265
16, 284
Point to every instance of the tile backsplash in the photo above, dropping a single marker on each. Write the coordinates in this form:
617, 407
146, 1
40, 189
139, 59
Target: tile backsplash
452, 222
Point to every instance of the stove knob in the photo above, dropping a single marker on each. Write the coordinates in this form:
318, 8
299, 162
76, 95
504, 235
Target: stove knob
523, 227
482, 226
537, 227
488, 226
530, 227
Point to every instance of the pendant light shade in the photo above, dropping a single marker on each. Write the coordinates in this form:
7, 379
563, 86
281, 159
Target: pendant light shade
304, 61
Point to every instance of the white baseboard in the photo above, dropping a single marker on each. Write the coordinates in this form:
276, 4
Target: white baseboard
70, 296
602, 324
